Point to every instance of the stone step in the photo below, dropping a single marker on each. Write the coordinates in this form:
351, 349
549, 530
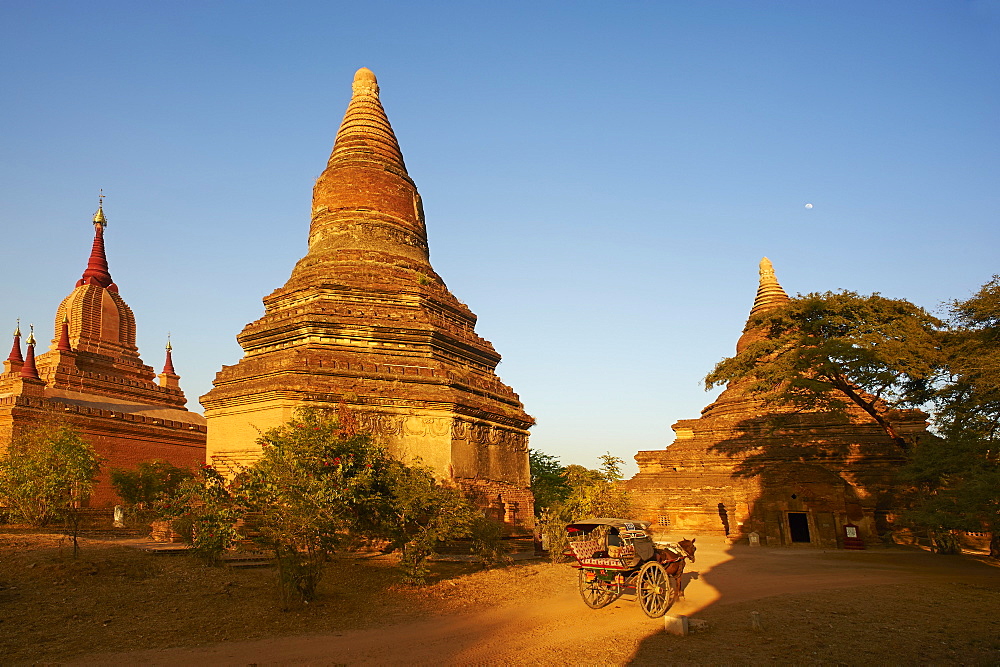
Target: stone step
515, 545
162, 548
112, 533
249, 559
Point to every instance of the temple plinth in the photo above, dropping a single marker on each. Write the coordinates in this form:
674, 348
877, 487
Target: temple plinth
790, 476
364, 321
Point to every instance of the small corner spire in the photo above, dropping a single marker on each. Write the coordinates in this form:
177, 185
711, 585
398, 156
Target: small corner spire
169, 379
63, 345
15, 350
168, 364
28, 370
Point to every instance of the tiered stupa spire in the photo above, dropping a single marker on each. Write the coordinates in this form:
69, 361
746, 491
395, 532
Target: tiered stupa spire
365, 206
365, 132
770, 295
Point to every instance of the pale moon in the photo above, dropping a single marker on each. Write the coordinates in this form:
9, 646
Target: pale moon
809, 205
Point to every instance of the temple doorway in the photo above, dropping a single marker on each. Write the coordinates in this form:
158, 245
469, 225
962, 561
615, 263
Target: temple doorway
798, 526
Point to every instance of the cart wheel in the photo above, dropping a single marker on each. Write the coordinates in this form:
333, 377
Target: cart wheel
655, 590
596, 593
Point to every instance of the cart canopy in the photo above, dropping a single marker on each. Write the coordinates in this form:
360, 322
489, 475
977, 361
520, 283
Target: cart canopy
621, 524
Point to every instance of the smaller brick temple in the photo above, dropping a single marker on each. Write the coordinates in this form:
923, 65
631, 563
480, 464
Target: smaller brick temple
791, 477
93, 377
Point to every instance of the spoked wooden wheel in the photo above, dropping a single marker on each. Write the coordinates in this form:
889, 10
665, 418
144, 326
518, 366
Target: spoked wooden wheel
655, 590
597, 593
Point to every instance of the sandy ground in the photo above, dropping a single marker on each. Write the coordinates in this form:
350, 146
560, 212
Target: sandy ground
888, 606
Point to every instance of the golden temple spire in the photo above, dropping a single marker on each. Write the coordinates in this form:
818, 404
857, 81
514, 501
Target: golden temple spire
99, 218
769, 293
97, 272
31, 335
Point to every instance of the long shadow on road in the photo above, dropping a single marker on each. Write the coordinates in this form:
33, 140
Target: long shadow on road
836, 606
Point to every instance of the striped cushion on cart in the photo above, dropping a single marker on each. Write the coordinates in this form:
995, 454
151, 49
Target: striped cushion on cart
584, 549
605, 563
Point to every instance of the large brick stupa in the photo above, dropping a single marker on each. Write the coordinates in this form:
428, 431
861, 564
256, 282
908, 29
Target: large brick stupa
789, 476
365, 322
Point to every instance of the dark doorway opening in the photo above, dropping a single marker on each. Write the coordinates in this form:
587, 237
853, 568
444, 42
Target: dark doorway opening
798, 525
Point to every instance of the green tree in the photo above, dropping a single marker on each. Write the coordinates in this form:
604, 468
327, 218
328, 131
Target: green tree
954, 486
548, 481
591, 493
957, 478
838, 349
48, 473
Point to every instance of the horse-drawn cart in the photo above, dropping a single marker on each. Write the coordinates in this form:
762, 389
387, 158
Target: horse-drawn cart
617, 555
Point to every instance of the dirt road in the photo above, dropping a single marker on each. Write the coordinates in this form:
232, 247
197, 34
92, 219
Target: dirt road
888, 605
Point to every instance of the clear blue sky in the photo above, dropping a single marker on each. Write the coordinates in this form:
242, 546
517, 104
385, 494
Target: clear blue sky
600, 178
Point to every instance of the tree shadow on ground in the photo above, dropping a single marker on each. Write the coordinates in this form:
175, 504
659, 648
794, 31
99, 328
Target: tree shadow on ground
889, 605
799, 479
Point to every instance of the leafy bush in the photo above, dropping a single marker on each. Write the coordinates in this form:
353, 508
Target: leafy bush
315, 488
149, 483
47, 474
320, 487
488, 543
206, 512
423, 514
956, 478
548, 480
